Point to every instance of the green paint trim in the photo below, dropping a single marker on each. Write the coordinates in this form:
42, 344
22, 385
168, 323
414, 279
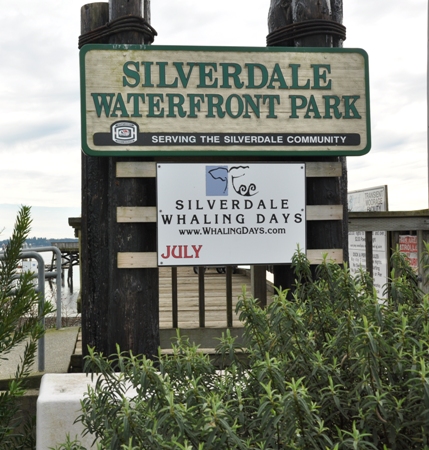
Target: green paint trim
178, 48
213, 152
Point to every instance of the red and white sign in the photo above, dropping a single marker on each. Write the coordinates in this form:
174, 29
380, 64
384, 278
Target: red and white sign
372, 199
408, 246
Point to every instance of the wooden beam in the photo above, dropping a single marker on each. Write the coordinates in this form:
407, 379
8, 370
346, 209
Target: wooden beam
140, 169
332, 255
130, 214
137, 169
389, 220
137, 260
145, 260
324, 212
323, 169
147, 214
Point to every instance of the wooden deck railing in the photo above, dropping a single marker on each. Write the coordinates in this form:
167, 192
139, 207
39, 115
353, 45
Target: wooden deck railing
130, 214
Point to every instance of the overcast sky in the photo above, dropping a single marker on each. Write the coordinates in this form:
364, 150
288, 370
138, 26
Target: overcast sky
39, 95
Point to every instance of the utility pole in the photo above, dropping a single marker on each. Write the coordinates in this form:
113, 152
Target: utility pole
313, 23
119, 306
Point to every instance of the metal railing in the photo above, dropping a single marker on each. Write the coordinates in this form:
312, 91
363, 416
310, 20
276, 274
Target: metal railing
54, 274
41, 277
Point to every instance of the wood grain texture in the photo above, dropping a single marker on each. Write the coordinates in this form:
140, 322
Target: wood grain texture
119, 306
145, 260
323, 169
147, 214
140, 169
137, 260
334, 255
324, 212
135, 169
130, 214
322, 189
94, 234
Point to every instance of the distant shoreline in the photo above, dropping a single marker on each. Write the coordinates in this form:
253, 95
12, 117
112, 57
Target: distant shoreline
35, 242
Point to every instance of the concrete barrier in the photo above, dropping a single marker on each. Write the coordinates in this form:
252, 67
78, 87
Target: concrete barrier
58, 407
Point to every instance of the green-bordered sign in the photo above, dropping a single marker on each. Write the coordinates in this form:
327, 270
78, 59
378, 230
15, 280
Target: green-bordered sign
164, 100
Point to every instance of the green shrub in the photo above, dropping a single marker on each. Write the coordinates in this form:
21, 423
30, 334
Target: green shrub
334, 368
20, 322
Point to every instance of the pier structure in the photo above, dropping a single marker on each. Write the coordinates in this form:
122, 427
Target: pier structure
69, 257
202, 303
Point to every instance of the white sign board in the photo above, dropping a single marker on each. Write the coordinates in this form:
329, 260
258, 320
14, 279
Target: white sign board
372, 199
230, 214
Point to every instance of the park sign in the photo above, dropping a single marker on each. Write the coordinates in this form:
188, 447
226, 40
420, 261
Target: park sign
142, 100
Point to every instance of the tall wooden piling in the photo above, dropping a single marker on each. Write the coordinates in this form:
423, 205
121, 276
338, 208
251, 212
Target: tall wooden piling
119, 306
318, 27
94, 236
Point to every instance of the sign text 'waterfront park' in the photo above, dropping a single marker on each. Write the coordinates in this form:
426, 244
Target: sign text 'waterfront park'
152, 100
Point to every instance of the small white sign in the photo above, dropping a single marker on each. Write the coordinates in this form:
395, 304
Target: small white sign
409, 246
372, 199
230, 214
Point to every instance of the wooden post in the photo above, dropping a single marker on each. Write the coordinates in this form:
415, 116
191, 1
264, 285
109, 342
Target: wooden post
229, 315
94, 244
146, 11
320, 191
369, 254
201, 298
259, 284
124, 304
174, 298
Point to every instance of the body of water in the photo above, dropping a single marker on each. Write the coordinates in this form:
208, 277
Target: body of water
69, 292
70, 287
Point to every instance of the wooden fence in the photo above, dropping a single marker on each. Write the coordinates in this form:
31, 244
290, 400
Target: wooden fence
134, 214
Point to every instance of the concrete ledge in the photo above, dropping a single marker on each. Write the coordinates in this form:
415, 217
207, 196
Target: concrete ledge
58, 407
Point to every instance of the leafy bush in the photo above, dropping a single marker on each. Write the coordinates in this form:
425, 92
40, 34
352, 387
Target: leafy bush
335, 368
20, 322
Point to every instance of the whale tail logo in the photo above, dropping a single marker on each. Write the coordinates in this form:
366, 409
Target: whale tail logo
220, 178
